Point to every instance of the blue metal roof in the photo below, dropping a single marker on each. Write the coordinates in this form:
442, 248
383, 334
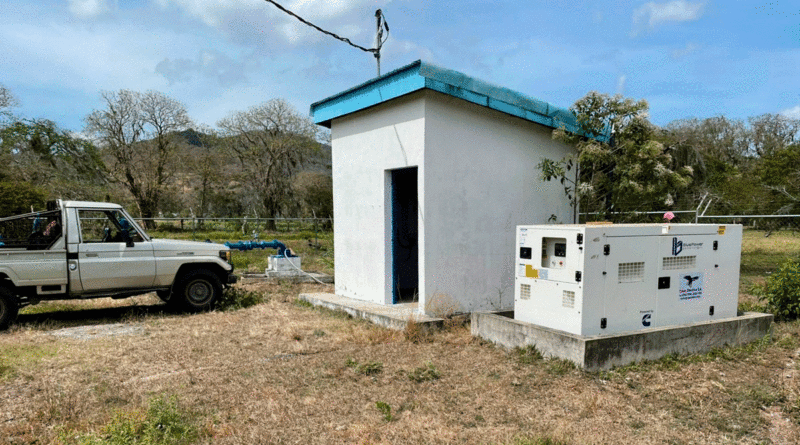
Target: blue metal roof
420, 75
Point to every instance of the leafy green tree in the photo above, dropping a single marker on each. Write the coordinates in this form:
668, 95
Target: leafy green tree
622, 163
19, 197
44, 155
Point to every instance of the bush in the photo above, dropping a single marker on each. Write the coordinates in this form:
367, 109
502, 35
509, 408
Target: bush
236, 298
781, 292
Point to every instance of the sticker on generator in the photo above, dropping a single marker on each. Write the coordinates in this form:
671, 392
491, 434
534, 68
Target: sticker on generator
530, 272
721, 230
691, 287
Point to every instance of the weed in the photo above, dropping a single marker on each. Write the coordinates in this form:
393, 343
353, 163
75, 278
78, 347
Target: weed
558, 366
536, 441
319, 333
415, 332
303, 303
385, 410
424, 373
162, 423
441, 305
237, 298
528, 355
368, 368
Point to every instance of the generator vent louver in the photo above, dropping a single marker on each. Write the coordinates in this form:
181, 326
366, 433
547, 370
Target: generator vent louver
678, 262
568, 299
631, 272
525, 291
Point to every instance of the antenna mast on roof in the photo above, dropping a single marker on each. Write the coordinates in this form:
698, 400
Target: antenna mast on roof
379, 39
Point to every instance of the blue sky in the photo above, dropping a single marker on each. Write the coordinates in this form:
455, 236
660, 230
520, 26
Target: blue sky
686, 58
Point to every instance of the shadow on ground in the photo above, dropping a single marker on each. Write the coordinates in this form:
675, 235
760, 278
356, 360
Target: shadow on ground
62, 318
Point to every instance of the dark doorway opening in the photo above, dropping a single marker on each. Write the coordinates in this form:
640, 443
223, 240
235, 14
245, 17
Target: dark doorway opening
405, 235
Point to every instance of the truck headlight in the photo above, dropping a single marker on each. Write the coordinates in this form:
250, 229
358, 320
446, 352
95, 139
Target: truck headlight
225, 255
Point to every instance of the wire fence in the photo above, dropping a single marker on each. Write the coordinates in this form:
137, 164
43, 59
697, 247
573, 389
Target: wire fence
763, 222
245, 225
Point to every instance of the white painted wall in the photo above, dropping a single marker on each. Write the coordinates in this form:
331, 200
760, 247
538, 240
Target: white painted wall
481, 182
478, 182
364, 146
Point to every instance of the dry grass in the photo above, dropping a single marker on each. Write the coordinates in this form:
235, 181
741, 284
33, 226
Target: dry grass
281, 372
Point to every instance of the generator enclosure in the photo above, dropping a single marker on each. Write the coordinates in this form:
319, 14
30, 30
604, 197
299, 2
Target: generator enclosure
605, 279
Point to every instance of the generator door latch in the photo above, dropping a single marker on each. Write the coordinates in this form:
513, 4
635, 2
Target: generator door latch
606, 249
716, 245
578, 276
580, 238
603, 323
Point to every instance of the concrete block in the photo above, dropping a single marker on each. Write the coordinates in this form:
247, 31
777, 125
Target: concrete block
602, 352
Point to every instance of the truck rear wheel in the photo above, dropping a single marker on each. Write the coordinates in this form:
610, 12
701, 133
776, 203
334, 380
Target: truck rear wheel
8, 307
197, 290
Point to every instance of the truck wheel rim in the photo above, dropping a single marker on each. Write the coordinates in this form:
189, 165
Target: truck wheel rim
199, 292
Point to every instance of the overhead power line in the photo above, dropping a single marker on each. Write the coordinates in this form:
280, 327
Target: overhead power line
380, 39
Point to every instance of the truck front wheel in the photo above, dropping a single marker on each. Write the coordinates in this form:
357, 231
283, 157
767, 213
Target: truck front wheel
8, 307
197, 290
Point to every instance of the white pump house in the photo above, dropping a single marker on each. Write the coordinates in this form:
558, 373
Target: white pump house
432, 172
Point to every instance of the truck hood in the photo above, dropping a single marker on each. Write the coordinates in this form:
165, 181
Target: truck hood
190, 247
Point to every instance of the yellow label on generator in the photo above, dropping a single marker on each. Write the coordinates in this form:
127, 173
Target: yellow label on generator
530, 272
721, 230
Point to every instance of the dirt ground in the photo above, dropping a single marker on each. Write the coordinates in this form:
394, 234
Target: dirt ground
281, 372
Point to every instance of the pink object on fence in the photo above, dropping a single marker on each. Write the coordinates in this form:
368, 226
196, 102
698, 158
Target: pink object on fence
668, 216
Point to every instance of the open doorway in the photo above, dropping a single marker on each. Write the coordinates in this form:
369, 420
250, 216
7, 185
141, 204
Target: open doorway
405, 235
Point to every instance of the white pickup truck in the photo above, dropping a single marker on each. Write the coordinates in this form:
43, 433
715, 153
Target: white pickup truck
79, 250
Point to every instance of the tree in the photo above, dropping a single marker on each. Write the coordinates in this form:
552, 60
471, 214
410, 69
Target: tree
771, 133
18, 197
316, 192
41, 153
272, 141
623, 163
137, 133
7, 101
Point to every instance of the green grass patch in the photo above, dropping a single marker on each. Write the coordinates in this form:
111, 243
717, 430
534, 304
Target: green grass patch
425, 373
16, 357
162, 423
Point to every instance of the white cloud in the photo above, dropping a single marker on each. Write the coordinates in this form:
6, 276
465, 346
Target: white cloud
87, 8
651, 15
793, 112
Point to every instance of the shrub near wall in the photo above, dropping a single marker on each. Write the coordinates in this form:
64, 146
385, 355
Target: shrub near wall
781, 292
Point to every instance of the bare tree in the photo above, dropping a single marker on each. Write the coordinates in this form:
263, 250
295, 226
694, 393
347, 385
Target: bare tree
7, 101
137, 132
272, 142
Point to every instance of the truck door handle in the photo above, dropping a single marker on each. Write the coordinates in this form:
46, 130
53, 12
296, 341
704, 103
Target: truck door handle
91, 255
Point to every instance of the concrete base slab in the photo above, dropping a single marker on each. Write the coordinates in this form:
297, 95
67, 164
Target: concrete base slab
296, 276
606, 351
395, 316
